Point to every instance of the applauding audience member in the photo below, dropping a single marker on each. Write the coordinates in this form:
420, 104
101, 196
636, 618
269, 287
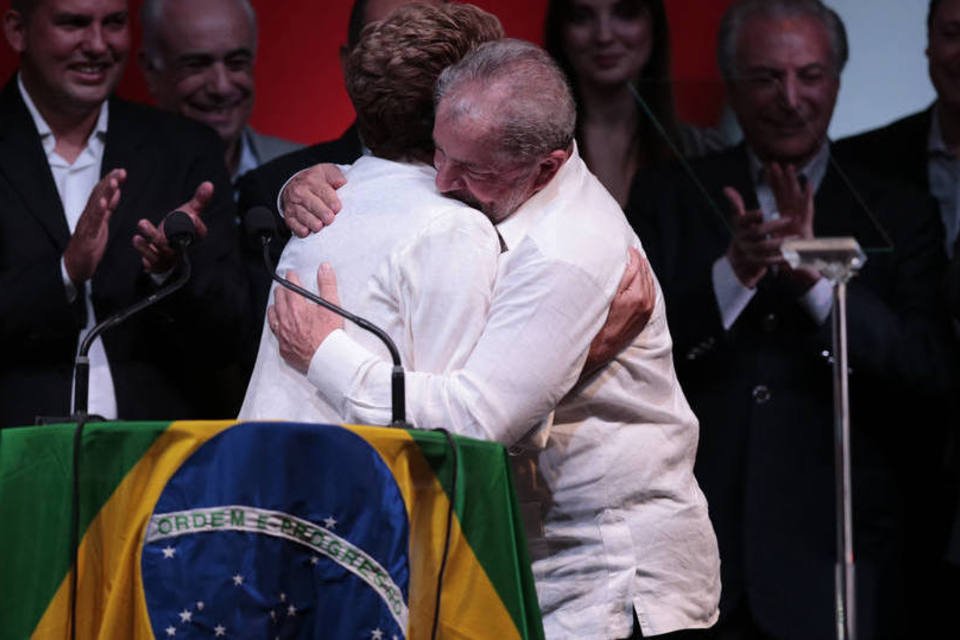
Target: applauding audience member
85, 183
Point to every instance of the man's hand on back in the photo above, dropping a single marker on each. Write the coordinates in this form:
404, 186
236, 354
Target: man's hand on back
309, 199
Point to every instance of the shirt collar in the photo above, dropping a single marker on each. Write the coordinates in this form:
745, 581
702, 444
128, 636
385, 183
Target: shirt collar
46, 133
813, 171
935, 144
249, 157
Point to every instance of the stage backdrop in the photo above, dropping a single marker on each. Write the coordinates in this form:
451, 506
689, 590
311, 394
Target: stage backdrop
300, 92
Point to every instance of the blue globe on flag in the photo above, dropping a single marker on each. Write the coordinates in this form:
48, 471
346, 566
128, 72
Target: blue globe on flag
308, 539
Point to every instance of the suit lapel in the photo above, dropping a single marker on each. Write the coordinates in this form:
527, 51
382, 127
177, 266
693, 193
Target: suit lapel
124, 149
24, 164
913, 141
841, 209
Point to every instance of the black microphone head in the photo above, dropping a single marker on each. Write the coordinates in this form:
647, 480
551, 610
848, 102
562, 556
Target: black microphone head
179, 229
260, 223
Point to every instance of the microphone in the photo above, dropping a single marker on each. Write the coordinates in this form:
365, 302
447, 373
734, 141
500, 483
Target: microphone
180, 233
179, 229
260, 225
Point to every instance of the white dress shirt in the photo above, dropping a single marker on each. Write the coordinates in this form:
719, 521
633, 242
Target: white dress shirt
732, 296
615, 519
74, 183
943, 172
249, 160
417, 264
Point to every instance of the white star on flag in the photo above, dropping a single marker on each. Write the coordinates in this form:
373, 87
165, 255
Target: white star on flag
200, 606
283, 597
314, 560
238, 579
376, 634
185, 616
219, 630
168, 552
330, 522
171, 631
291, 610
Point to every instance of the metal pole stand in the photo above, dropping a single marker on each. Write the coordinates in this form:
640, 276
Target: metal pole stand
837, 260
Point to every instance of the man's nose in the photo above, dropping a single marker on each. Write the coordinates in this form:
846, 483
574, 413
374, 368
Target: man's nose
219, 80
789, 90
94, 42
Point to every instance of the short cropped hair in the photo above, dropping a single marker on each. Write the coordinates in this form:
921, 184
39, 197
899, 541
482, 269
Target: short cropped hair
743, 10
538, 116
24, 7
358, 20
392, 71
151, 18
931, 11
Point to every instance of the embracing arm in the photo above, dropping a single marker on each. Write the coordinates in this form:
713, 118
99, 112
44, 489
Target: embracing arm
534, 344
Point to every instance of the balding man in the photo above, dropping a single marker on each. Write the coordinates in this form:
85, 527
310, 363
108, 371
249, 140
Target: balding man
753, 338
198, 58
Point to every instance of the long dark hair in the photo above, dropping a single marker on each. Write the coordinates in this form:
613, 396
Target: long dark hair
653, 83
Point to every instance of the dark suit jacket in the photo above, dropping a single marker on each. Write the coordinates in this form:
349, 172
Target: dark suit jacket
261, 187
763, 391
897, 150
162, 359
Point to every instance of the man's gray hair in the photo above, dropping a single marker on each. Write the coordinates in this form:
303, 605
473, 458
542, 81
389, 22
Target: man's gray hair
151, 17
743, 10
538, 114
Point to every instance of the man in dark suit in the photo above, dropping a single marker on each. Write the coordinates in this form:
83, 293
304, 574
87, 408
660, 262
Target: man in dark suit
752, 336
198, 59
85, 183
921, 150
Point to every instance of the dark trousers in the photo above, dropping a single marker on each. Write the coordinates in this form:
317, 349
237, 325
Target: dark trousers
683, 634
738, 625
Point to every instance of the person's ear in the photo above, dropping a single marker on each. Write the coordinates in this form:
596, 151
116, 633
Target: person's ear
14, 29
549, 165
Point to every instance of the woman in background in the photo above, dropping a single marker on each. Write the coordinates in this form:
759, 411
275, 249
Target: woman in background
616, 54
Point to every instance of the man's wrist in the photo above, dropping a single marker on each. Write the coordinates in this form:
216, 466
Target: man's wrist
284, 188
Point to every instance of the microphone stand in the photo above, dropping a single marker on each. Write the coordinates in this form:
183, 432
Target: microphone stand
398, 395
82, 375
180, 234
180, 240
837, 260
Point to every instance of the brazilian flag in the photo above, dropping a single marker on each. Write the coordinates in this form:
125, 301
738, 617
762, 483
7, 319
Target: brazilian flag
258, 530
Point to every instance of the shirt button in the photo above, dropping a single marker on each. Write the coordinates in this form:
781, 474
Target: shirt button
760, 394
770, 322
